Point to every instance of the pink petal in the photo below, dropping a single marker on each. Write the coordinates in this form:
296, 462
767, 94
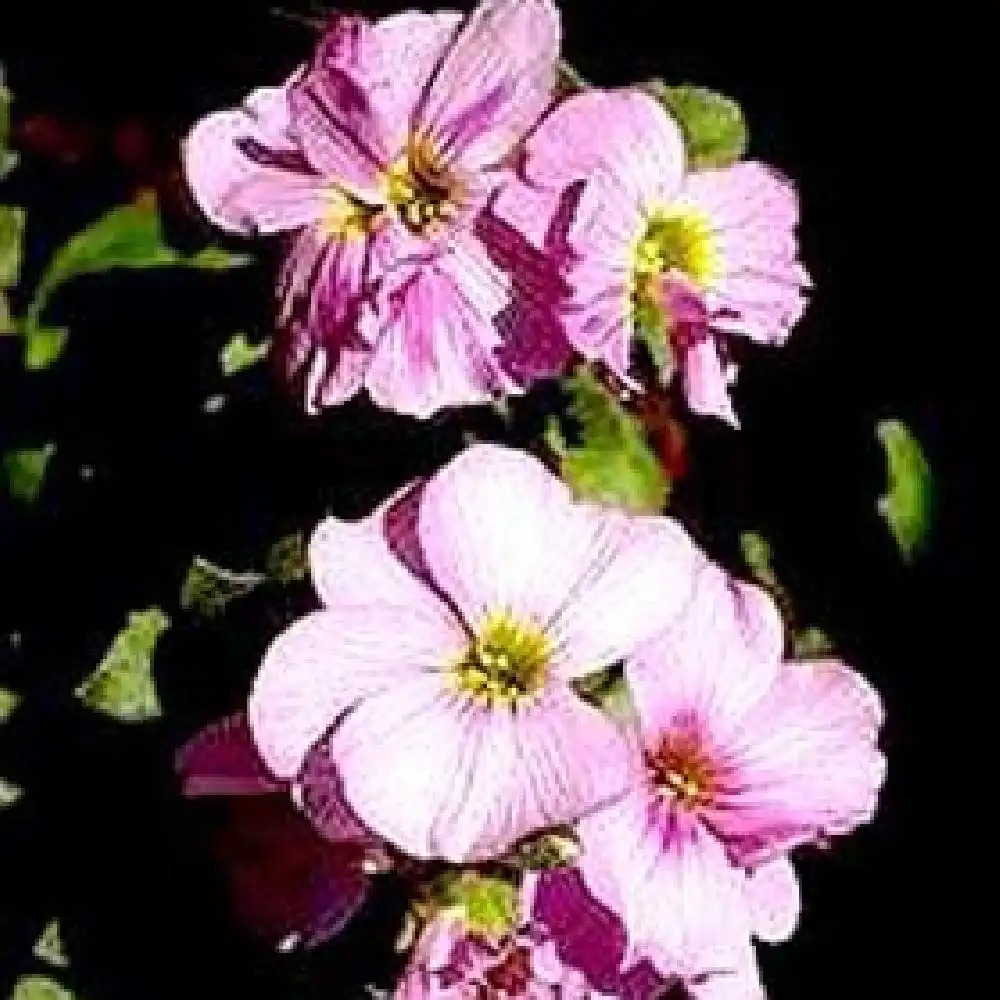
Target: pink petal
499, 531
352, 563
223, 760
807, 764
670, 881
705, 384
774, 900
247, 172
745, 192
742, 982
327, 662
464, 782
492, 84
637, 578
623, 131
714, 662
436, 348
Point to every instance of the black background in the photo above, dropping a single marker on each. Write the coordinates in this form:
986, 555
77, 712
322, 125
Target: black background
101, 838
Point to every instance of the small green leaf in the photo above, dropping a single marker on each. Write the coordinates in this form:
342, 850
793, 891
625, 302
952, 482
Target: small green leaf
488, 904
238, 354
811, 642
8, 158
288, 559
907, 507
545, 851
129, 236
9, 702
49, 948
651, 331
208, 588
24, 471
568, 80
43, 345
122, 685
757, 555
9, 793
613, 463
11, 241
715, 131
40, 988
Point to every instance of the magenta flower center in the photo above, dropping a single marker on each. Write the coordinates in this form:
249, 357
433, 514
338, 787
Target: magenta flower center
423, 193
680, 769
506, 664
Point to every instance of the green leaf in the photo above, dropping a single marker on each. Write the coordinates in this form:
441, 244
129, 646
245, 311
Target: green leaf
9, 702
49, 948
208, 588
24, 471
651, 331
613, 463
488, 904
545, 851
568, 80
908, 506
238, 354
288, 559
715, 132
9, 793
40, 988
43, 345
757, 555
122, 685
11, 241
129, 236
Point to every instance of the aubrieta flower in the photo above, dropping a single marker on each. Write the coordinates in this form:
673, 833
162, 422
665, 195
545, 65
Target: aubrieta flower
700, 256
289, 885
378, 157
436, 679
742, 757
451, 963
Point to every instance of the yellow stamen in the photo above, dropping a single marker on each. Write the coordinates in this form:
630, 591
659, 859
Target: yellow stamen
424, 194
346, 217
506, 664
681, 770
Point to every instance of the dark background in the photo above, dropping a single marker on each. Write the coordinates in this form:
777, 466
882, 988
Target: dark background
101, 838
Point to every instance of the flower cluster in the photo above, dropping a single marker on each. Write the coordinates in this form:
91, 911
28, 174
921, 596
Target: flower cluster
456, 230
458, 225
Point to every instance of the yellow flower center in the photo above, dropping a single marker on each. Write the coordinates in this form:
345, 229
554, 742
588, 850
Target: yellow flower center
506, 664
681, 770
423, 192
345, 217
676, 238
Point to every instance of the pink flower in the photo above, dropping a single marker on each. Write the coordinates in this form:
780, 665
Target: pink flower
743, 757
450, 963
704, 255
436, 677
377, 157
288, 885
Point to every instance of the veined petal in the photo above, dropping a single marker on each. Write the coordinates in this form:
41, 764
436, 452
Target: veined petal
705, 385
443, 777
246, 171
806, 763
435, 350
624, 131
492, 84
671, 882
637, 579
715, 662
327, 662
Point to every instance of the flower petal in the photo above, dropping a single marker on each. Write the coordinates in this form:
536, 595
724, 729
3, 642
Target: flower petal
247, 172
775, 900
705, 386
806, 765
637, 579
327, 662
223, 760
670, 881
715, 662
442, 777
493, 83
624, 131
436, 350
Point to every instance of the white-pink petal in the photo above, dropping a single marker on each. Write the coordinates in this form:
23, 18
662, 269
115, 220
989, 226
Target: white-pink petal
330, 661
